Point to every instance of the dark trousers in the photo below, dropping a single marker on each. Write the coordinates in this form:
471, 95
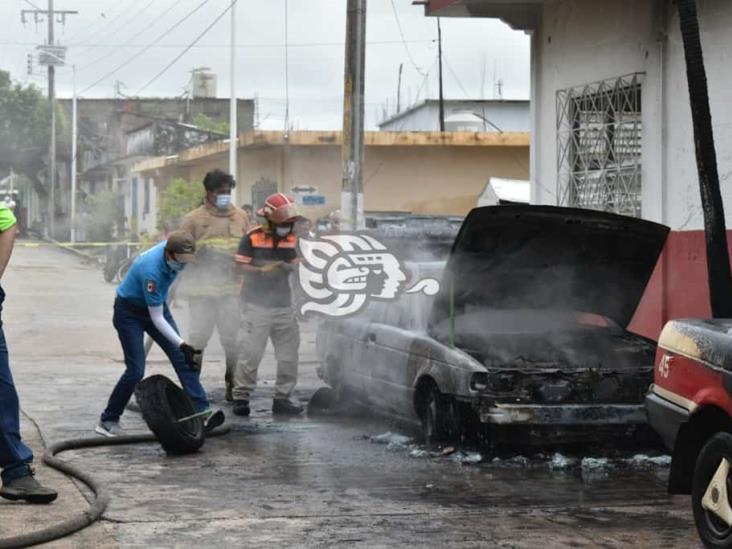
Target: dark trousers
131, 323
15, 456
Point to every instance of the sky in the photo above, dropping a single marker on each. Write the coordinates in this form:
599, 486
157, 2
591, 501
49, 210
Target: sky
285, 49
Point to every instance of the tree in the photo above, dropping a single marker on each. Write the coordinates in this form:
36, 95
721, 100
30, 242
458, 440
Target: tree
24, 135
104, 214
208, 124
178, 198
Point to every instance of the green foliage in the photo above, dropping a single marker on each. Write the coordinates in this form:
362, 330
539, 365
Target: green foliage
104, 212
24, 128
23, 121
208, 124
178, 198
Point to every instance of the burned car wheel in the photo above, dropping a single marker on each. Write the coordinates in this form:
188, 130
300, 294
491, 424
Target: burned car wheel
438, 417
163, 405
712, 488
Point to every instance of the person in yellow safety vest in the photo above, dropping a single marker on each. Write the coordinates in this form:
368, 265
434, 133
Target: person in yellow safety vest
212, 285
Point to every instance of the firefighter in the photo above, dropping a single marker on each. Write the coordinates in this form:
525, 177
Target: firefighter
140, 307
212, 284
267, 255
18, 481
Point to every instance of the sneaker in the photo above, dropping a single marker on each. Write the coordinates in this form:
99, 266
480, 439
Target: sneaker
285, 407
215, 418
109, 429
27, 488
241, 407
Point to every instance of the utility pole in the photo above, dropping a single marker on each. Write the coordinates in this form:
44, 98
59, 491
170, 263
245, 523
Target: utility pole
233, 132
353, 116
399, 89
52, 59
439, 59
52, 143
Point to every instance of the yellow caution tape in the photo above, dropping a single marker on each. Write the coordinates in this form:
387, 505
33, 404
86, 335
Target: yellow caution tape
24, 244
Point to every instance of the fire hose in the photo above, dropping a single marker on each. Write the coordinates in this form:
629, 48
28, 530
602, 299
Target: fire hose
180, 416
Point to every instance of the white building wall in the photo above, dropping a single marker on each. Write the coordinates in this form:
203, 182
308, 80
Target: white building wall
509, 116
583, 41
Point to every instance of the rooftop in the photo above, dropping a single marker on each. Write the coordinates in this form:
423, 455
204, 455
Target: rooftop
262, 139
451, 103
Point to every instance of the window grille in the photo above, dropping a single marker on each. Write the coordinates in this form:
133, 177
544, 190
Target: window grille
599, 140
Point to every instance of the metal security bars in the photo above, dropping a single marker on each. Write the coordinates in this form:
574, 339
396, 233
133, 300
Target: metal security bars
599, 134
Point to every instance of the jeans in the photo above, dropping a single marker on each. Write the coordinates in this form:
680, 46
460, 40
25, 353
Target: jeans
131, 323
15, 457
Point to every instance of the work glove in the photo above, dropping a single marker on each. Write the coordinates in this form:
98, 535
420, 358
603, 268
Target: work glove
194, 357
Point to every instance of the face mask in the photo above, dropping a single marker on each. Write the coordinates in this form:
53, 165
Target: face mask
223, 201
174, 265
283, 231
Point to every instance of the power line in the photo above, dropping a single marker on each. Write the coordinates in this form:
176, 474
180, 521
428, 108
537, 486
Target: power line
124, 10
187, 48
245, 46
404, 40
138, 54
455, 76
152, 22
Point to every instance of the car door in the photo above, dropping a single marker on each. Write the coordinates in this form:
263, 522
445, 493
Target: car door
389, 341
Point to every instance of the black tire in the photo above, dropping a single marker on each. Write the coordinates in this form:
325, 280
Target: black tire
438, 417
323, 401
163, 403
122, 271
713, 531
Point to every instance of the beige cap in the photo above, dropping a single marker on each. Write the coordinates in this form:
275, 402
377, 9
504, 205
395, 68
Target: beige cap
182, 246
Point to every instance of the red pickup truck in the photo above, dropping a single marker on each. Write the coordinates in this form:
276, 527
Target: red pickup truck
690, 406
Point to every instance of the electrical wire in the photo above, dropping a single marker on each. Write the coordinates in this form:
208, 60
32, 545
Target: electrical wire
404, 40
455, 76
108, 23
138, 54
187, 48
153, 21
244, 46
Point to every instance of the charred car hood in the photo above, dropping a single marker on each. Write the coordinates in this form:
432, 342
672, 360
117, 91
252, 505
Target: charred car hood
544, 257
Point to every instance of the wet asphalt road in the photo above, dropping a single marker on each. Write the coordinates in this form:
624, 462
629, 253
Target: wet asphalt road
302, 482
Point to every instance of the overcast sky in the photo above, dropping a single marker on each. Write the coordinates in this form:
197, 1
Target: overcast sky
108, 33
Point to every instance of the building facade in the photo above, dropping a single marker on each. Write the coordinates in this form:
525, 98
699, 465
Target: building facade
113, 134
486, 115
611, 121
419, 172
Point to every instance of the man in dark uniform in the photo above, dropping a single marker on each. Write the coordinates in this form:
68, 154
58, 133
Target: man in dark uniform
267, 255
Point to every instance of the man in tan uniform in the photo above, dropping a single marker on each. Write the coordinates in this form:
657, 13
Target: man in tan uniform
212, 284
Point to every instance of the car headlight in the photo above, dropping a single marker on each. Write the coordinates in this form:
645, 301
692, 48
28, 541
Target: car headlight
479, 381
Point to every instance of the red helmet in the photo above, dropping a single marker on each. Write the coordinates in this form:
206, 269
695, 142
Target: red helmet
279, 208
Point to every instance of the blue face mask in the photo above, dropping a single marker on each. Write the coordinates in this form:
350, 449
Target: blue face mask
223, 201
174, 265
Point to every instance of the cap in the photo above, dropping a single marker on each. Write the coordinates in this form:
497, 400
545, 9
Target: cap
182, 245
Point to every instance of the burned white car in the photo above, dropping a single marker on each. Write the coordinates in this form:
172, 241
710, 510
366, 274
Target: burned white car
528, 333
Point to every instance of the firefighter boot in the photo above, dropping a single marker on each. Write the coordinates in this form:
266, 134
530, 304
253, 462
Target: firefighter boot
285, 407
241, 408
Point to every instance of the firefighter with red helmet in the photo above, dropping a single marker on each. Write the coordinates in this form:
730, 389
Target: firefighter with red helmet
267, 255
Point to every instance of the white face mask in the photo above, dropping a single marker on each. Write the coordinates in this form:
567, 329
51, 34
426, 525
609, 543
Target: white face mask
283, 231
223, 201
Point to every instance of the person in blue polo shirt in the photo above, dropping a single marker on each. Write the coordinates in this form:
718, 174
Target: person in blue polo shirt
140, 307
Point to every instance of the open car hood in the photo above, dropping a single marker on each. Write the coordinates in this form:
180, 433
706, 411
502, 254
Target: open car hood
545, 257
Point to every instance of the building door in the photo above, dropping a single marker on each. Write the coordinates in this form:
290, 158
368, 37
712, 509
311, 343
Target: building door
261, 190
